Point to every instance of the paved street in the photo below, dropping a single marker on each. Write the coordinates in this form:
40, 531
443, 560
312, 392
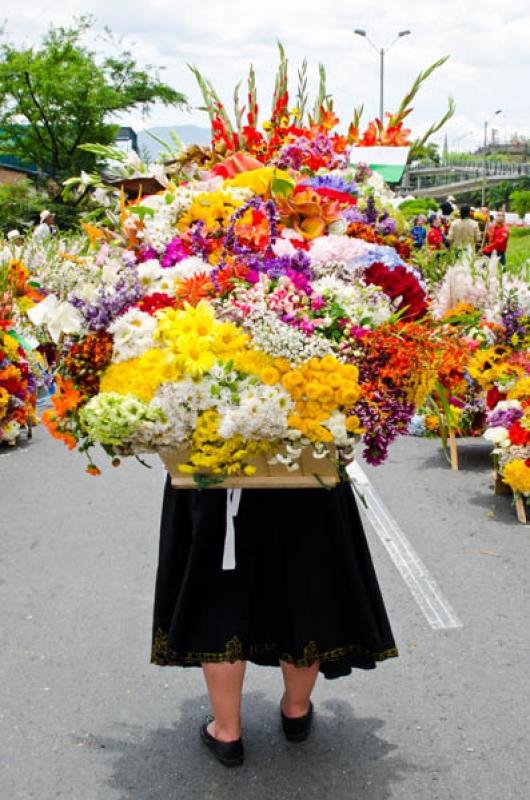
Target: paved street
84, 716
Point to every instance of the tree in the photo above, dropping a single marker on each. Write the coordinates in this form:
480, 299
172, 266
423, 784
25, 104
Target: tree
499, 196
520, 201
425, 152
20, 204
62, 94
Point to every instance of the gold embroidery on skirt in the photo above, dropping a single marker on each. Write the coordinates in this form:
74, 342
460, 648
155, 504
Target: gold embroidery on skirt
162, 655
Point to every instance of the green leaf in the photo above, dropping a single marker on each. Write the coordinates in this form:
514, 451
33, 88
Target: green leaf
142, 211
280, 187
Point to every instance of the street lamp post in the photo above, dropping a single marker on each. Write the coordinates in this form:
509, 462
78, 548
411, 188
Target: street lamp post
381, 52
484, 163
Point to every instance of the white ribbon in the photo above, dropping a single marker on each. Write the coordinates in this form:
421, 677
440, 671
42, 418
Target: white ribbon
233, 498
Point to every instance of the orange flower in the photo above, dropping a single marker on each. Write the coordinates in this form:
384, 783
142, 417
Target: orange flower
308, 212
53, 426
227, 276
196, 288
93, 470
67, 398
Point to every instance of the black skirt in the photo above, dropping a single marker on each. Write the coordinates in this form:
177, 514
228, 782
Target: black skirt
303, 590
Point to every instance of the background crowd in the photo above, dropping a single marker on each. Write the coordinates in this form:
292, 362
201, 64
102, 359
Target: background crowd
464, 228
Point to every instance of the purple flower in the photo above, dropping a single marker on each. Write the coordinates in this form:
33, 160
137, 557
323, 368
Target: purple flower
175, 252
336, 182
146, 254
111, 301
503, 417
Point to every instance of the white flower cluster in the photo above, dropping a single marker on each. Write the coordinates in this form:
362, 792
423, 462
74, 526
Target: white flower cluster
52, 262
260, 414
190, 266
480, 283
513, 453
365, 305
282, 341
133, 334
159, 228
246, 408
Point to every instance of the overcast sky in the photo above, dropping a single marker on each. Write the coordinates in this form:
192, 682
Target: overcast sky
488, 43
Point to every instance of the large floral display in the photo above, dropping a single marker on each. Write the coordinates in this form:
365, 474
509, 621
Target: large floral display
258, 305
19, 365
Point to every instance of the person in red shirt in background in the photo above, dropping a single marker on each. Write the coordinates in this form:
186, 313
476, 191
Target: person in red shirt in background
435, 238
497, 238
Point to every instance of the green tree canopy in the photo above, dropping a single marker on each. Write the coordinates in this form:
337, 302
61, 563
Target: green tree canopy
62, 94
520, 201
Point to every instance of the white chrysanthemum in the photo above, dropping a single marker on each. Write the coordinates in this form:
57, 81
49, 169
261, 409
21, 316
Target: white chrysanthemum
149, 274
498, 436
133, 334
167, 282
190, 266
260, 414
336, 425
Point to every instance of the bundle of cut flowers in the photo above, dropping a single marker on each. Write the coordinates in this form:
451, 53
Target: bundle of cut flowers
235, 314
486, 347
18, 364
508, 428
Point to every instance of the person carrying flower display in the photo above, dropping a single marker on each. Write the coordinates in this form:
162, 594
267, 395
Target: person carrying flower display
253, 322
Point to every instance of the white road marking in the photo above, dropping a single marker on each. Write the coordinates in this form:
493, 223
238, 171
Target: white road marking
434, 606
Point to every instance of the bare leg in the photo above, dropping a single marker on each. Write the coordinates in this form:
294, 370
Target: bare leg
225, 682
299, 683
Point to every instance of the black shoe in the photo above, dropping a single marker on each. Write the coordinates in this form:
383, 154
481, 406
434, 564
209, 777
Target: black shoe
296, 729
229, 754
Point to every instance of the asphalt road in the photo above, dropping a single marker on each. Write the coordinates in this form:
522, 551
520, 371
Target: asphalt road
84, 716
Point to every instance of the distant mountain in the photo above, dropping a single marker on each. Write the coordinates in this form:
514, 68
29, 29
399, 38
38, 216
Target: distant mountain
189, 134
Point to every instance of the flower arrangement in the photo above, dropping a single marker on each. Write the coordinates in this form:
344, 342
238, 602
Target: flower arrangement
21, 367
508, 428
241, 313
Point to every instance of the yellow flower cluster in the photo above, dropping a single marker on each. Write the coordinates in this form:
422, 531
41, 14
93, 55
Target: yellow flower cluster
521, 390
419, 391
320, 387
212, 208
214, 455
196, 340
4, 400
24, 304
458, 311
141, 376
488, 367
9, 345
517, 475
264, 366
259, 180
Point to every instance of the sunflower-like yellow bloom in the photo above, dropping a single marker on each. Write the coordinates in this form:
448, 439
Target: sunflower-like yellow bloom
196, 339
